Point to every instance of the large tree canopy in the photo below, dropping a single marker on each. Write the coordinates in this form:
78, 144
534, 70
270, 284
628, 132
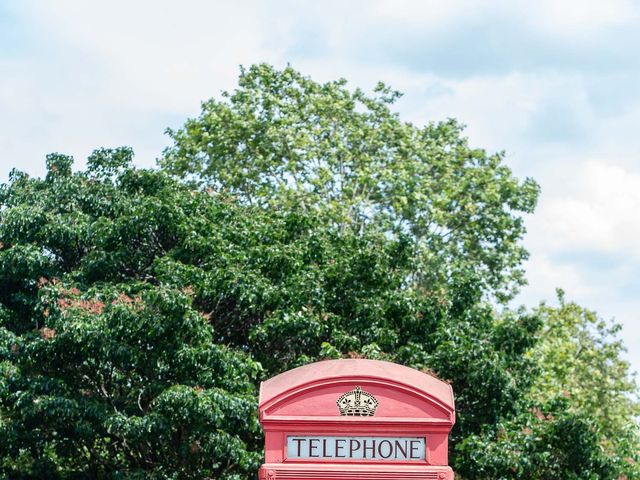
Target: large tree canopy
134, 309
105, 368
282, 139
139, 311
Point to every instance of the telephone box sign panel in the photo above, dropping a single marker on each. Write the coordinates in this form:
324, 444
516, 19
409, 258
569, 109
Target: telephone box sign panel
356, 448
355, 419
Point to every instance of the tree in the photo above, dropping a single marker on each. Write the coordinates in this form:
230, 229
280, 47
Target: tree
581, 359
580, 418
553, 440
105, 372
134, 309
282, 139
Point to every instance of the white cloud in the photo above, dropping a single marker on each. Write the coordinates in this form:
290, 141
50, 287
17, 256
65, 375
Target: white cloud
545, 275
118, 74
565, 18
596, 208
571, 17
162, 52
585, 238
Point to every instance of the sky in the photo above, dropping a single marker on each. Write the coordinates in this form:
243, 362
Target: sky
552, 83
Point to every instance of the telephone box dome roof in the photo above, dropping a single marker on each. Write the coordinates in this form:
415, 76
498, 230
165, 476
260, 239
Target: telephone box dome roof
327, 370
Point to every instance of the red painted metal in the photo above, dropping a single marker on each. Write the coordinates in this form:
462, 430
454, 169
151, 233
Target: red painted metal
302, 401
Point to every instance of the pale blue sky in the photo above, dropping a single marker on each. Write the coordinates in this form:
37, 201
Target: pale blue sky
554, 84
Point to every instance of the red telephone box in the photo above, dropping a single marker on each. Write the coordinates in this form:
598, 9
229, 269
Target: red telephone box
356, 419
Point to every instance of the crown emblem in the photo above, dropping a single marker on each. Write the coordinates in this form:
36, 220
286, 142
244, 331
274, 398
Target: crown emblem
357, 403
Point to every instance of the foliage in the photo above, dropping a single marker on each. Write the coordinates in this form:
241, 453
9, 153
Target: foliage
580, 418
134, 308
104, 372
581, 359
281, 139
551, 441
